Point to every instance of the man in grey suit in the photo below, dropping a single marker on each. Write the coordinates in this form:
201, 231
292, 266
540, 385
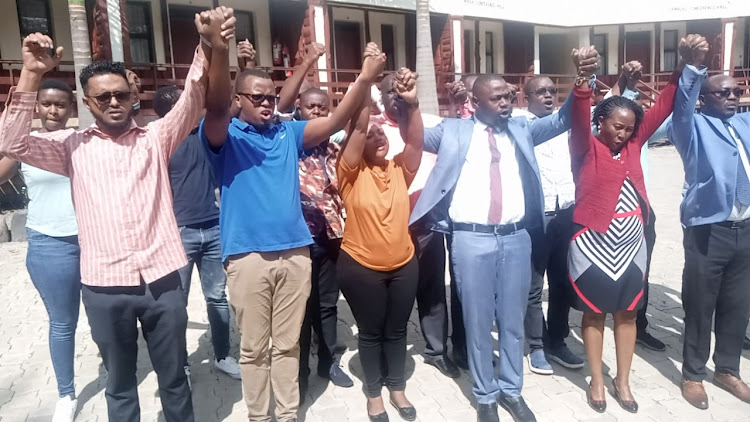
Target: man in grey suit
715, 212
486, 183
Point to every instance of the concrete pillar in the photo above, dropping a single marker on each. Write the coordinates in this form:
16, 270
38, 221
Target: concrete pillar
320, 29
457, 31
115, 30
728, 34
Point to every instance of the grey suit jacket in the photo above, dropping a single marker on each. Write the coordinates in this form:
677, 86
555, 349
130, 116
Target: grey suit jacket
450, 141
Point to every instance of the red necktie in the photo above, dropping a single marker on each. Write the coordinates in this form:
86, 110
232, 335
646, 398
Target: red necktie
496, 187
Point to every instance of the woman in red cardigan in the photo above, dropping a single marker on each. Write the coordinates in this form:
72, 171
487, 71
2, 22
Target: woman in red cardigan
607, 256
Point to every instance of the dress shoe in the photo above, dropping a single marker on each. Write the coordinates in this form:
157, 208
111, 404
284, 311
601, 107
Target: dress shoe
629, 405
381, 417
408, 413
444, 365
487, 413
734, 385
598, 405
517, 408
695, 394
337, 376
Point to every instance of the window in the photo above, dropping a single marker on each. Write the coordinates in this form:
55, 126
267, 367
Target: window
489, 52
141, 32
601, 43
245, 28
34, 16
670, 50
386, 35
468, 51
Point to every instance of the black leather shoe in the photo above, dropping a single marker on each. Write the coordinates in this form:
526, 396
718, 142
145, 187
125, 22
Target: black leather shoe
517, 408
382, 417
487, 413
408, 413
444, 365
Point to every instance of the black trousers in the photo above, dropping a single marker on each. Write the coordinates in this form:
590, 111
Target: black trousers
715, 282
431, 303
321, 306
649, 232
160, 307
381, 302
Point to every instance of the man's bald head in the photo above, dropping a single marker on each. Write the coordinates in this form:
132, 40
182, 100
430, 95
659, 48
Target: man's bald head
720, 96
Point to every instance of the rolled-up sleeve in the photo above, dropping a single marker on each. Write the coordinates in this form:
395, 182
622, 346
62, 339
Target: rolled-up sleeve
46, 151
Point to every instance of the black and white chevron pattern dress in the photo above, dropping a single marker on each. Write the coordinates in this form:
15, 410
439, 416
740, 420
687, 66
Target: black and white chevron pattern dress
607, 269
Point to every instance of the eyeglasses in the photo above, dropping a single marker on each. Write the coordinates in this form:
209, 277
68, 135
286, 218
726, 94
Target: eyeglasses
106, 98
724, 93
541, 91
258, 99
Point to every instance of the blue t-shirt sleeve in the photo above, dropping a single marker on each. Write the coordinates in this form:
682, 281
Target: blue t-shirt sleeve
297, 128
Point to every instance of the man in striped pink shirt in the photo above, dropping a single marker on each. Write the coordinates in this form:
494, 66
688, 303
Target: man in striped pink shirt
130, 246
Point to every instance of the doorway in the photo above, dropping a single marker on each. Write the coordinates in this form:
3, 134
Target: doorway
347, 49
638, 47
184, 36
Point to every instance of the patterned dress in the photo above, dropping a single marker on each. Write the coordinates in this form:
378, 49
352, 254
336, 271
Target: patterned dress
607, 269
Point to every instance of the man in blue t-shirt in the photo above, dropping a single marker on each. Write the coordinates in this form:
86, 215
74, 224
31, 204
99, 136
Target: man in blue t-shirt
264, 238
197, 214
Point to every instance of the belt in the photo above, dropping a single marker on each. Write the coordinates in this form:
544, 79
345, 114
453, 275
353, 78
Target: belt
550, 213
734, 224
500, 229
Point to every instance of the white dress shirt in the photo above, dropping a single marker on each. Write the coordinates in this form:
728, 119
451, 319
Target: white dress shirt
740, 212
553, 158
471, 197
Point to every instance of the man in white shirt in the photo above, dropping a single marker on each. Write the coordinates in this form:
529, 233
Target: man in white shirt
549, 251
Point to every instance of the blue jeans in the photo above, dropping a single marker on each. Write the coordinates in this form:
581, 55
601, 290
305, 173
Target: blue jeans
203, 249
54, 265
493, 276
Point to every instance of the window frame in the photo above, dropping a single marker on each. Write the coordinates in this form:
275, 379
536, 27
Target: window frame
603, 53
50, 21
149, 36
489, 52
252, 30
671, 50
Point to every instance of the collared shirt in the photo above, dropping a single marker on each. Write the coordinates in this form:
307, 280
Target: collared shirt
739, 212
471, 197
319, 191
120, 186
553, 158
258, 174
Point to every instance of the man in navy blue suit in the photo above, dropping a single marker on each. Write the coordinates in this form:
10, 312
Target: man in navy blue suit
715, 212
486, 184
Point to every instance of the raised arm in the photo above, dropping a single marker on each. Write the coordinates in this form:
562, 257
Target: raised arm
680, 130
16, 141
216, 28
8, 169
412, 129
354, 145
290, 90
245, 55
318, 130
580, 130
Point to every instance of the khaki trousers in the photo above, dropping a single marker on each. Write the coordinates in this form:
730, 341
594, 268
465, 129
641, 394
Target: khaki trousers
268, 292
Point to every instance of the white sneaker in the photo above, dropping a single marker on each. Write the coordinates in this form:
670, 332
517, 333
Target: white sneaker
229, 366
187, 373
65, 410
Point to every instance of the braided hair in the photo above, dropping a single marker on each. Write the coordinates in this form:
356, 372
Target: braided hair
605, 108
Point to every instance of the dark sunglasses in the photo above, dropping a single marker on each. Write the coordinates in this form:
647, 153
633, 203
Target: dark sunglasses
541, 91
258, 99
724, 93
106, 98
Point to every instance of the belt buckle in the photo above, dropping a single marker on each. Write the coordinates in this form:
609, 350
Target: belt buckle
736, 225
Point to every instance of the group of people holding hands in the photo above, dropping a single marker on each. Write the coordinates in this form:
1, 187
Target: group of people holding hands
362, 200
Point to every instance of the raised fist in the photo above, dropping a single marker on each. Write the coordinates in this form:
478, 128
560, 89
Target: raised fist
216, 26
314, 51
693, 49
586, 60
374, 62
405, 84
35, 53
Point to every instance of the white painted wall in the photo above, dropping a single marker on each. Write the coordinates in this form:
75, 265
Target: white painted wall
399, 27
498, 41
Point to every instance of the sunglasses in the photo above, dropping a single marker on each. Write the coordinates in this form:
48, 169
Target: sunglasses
106, 98
724, 93
258, 99
541, 91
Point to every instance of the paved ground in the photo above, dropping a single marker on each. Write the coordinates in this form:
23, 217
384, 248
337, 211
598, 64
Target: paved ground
28, 392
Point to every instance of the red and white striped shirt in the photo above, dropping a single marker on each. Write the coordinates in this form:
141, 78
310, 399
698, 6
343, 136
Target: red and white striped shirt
121, 190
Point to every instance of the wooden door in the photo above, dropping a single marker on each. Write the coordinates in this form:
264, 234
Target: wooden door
348, 49
184, 36
638, 47
519, 46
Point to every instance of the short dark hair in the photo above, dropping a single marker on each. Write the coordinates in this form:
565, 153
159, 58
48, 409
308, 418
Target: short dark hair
58, 85
485, 79
247, 73
608, 105
165, 98
101, 68
314, 91
527, 86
